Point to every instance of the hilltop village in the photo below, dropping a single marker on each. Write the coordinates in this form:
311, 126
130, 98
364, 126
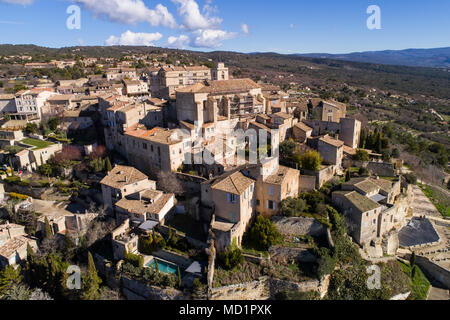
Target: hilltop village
184, 181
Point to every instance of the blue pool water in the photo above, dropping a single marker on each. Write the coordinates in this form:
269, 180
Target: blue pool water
165, 267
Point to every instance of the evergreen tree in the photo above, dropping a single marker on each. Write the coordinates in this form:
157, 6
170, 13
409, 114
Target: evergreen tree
347, 176
108, 165
179, 277
48, 229
11, 166
412, 260
91, 281
9, 277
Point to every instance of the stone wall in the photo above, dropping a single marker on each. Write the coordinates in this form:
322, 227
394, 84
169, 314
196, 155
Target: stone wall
266, 288
434, 271
134, 290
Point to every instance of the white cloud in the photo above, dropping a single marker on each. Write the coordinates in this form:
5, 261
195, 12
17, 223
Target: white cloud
22, 2
178, 42
130, 12
129, 38
245, 29
292, 26
193, 19
210, 38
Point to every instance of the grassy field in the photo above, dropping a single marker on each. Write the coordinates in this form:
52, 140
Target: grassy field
38, 144
419, 284
440, 199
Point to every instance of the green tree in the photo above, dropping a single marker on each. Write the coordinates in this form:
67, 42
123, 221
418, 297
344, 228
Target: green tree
9, 277
291, 207
361, 155
348, 176
287, 149
311, 160
48, 229
108, 165
412, 259
263, 234
231, 257
91, 282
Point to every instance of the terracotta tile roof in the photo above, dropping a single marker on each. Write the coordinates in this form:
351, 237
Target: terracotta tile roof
279, 177
384, 184
303, 127
122, 176
221, 86
236, 183
157, 135
283, 115
331, 141
366, 185
9, 247
6, 96
152, 201
361, 202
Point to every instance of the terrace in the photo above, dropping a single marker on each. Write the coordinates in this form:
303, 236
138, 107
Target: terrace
37, 144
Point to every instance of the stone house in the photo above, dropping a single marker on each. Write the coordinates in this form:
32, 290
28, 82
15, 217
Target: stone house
331, 150
362, 215
301, 132
155, 149
13, 244
122, 181
135, 87
274, 183
232, 196
123, 241
146, 205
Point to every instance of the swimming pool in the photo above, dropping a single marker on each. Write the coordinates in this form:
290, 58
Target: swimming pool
163, 266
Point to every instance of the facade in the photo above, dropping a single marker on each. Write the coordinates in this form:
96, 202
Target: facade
135, 87
165, 82
30, 102
215, 100
371, 206
122, 181
13, 244
331, 150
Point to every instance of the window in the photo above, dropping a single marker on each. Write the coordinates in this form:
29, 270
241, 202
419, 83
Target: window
271, 205
144, 145
232, 216
271, 191
231, 198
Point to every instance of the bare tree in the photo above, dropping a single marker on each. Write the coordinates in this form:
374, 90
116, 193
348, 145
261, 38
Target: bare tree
168, 182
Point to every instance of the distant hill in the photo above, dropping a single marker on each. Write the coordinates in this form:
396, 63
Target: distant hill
433, 58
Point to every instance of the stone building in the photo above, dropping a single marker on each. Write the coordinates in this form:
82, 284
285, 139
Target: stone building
331, 150
165, 81
122, 181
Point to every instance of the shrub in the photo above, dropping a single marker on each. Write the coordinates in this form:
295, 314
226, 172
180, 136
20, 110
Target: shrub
410, 178
231, 258
361, 155
263, 234
18, 196
311, 160
135, 260
291, 207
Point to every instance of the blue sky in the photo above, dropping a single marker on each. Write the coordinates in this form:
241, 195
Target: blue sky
284, 26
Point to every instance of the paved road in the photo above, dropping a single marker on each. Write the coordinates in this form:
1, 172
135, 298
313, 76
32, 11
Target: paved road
422, 206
